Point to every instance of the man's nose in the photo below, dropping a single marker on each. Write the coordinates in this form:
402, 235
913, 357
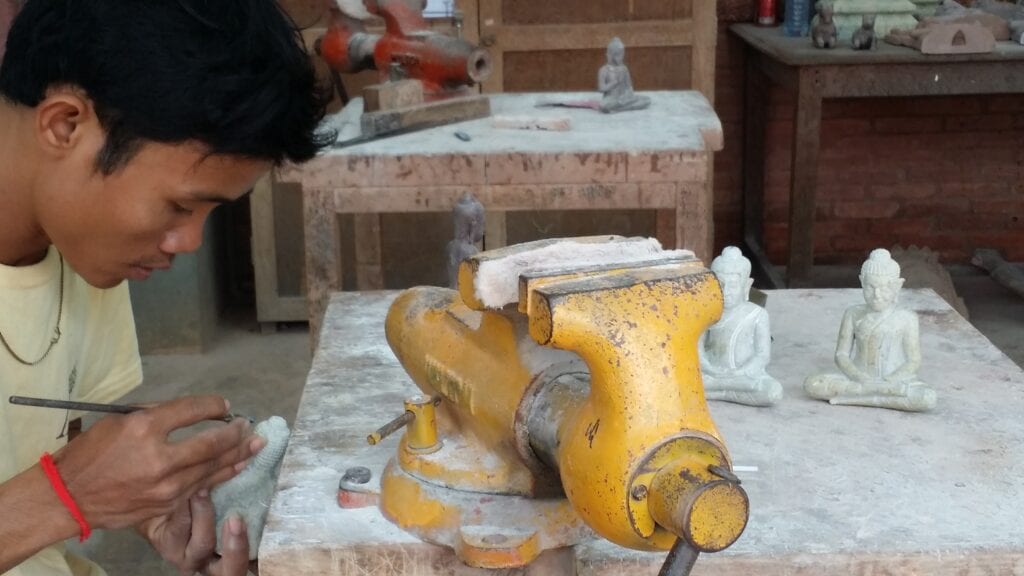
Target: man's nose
185, 238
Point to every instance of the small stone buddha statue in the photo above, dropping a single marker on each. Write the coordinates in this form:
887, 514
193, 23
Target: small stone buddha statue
614, 82
878, 351
734, 352
468, 216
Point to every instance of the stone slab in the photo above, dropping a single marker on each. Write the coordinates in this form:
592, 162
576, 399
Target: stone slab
833, 490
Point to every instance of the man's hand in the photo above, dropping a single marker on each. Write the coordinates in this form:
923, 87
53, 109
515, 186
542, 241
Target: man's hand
124, 470
187, 539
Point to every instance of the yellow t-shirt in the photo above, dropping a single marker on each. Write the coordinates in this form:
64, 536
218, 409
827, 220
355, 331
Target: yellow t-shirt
95, 360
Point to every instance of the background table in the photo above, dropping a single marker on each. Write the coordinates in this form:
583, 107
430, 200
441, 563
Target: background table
656, 159
813, 75
838, 490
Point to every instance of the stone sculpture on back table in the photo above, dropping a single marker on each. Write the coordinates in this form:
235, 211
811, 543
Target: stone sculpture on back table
878, 350
864, 37
615, 83
468, 215
248, 495
824, 32
734, 352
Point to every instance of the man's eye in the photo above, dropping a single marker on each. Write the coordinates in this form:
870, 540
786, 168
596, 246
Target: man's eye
178, 208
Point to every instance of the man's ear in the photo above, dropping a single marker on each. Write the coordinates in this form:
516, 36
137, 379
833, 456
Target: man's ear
61, 120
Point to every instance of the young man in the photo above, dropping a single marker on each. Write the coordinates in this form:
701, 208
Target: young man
123, 125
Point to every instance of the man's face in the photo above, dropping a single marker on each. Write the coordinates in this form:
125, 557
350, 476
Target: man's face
127, 224
880, 293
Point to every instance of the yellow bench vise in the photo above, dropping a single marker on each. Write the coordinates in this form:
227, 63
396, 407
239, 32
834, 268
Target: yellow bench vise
562, 398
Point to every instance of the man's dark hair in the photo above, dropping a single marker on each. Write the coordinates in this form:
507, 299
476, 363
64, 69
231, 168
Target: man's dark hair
230, 74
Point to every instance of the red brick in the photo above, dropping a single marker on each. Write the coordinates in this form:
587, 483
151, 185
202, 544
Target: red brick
903, 228
976, 189
874, 175
866, 209
903, 191
1006, 103
939, 172
907, 125
935, 106
974, 222
1005, 207
840, 128
829, 191
933, 207
979, 123
862, 242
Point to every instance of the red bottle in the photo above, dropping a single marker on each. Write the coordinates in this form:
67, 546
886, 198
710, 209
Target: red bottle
766, 12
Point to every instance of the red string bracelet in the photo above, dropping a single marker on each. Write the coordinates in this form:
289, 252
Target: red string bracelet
50, 469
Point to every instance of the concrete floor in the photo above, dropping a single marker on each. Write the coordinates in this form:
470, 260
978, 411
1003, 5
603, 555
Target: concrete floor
263, 375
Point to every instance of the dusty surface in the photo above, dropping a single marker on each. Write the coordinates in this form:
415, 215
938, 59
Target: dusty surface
835, 489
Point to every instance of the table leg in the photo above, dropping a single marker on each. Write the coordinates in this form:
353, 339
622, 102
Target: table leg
754, 126
665, 227
803, 187
693, 233
369, 270
323, 256
495, 232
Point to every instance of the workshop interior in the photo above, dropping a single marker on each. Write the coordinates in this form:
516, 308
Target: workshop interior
596, 287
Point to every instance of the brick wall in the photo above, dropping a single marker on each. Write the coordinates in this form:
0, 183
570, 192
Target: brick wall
945, 172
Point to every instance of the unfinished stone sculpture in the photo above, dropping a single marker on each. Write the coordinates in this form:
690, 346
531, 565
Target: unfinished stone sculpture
824, 33
735, 351
864, 37
849, 14
921, 269
936, 38
468, 215
878, 350
614, 82
1008, 274
248, 494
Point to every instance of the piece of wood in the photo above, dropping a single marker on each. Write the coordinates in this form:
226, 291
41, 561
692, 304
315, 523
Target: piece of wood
705, 42
804, 179
425, 116
323, 256
271, 306
369, 272
393, 95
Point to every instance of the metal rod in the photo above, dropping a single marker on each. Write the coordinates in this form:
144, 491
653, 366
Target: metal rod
389, 428
680, 560
92, 407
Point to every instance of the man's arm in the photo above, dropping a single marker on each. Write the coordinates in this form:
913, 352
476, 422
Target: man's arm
33, 517
121, 471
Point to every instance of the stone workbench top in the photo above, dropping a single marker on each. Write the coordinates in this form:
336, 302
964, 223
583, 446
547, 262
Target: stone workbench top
833, 490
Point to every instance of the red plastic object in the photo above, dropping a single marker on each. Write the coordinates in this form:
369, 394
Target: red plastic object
766, 10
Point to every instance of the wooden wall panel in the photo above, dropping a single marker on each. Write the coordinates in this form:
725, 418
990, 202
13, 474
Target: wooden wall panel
651, 69
592, 11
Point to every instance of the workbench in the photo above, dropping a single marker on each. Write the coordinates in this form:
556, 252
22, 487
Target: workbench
655, 159
833, 490
813, 75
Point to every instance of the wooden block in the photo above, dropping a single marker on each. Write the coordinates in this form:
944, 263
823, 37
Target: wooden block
425, 115
393, 95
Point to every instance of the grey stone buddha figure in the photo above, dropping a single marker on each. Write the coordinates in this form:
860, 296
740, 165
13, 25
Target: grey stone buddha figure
878, 351
615, 83
735, 351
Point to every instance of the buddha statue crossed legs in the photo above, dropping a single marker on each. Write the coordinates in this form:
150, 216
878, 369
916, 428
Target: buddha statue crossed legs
878, 351
734, 352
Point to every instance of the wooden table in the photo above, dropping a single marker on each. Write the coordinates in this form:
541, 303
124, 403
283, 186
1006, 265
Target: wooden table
833, 490
813, 75
656, 159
